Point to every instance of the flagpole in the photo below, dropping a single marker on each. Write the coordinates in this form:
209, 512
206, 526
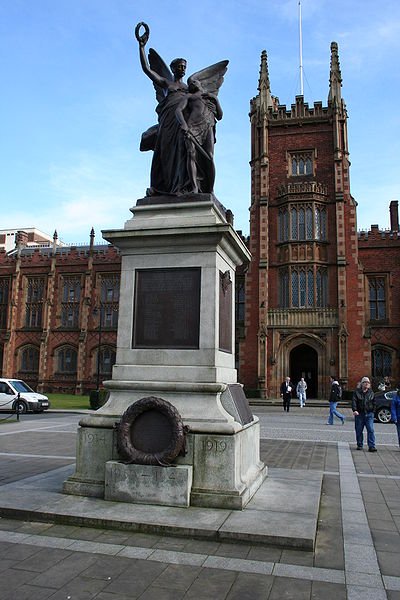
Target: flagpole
301, 52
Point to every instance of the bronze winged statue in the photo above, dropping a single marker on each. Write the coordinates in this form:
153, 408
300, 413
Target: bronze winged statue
183, 140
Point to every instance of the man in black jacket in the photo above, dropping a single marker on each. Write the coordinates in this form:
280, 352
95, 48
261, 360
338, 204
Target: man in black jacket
286, 393
363, 405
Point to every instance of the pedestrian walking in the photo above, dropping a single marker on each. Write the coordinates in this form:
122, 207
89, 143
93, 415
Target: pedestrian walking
286, 393
334, 397
301, 392
363, 405
395, 411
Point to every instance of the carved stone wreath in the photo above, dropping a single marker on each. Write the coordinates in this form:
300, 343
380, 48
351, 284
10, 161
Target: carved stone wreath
151, 432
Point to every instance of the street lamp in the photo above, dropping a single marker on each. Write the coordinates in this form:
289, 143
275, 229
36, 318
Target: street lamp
98, 310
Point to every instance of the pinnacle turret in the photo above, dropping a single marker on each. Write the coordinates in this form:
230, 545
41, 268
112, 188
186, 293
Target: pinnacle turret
335, 78
263, 83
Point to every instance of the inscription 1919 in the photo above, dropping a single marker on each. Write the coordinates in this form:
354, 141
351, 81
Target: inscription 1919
167, 308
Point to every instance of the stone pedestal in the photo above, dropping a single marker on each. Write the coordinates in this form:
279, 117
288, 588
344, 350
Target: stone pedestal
176, 341
146, 484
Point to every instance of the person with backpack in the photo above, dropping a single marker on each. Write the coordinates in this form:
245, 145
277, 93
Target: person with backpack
334, 397
363, 405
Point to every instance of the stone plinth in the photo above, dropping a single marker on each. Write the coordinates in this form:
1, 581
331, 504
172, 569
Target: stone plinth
146, 484
176, 341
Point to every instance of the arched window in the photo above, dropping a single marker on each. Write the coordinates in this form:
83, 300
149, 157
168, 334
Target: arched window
29, 359
107, 360
381, 363
377, 298
4, 295
66, 360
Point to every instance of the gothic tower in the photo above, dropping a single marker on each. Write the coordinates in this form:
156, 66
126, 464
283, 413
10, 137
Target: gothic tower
304, 287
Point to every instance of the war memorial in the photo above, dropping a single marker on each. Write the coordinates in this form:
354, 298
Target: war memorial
177, 428
175, 451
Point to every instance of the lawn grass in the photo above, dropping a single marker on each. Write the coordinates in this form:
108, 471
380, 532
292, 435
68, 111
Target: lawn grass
68, 401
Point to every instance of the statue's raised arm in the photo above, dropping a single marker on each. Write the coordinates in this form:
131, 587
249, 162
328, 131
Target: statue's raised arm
154, 67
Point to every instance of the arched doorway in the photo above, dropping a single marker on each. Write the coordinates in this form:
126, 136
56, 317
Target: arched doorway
303, 362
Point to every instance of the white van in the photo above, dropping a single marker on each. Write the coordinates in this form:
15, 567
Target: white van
16, 394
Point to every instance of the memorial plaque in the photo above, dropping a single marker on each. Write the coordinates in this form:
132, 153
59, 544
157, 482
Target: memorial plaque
167, 308
225, 312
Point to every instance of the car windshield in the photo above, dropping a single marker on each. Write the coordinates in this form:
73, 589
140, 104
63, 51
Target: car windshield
20, 386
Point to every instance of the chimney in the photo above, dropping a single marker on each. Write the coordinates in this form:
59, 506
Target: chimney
394, 215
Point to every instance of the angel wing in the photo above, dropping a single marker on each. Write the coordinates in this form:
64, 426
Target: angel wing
158, 65
212, 77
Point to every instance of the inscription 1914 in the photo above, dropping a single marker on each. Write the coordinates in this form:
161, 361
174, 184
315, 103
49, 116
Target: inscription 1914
167, 308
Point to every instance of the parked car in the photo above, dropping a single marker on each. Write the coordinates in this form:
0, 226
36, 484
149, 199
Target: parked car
383, 401
17, 395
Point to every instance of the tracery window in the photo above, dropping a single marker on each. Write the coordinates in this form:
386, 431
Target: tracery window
70, 304
107, 360
29, 357
34, 302
377, 298
381, 363
66, 360
303, 287
4, 293
301, 163
109, 298
303, 221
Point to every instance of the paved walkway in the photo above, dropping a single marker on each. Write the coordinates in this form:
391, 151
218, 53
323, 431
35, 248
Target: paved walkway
356, 555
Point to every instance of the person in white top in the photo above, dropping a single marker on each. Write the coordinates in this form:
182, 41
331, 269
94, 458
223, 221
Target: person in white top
301, 392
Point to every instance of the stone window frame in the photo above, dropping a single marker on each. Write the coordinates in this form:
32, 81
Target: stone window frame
71, 288
302, 222
35, 290
28, 358
377, 297
303, 287
61, 360
5, 288
108, 290
109, 348
301, 163
380, 370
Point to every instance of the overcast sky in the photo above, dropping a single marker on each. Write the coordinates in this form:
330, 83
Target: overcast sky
75, 101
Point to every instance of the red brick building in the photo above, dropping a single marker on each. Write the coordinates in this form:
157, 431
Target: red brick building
320, 300
58, 314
